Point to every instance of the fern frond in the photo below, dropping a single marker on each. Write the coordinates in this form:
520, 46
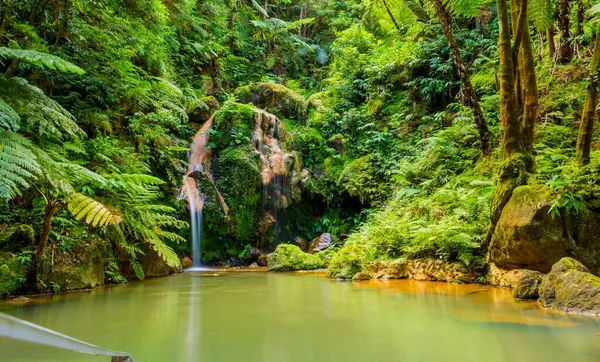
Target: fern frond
9, 119
541, 13
166, 253
41, 116
18, 164
39, 59
91, 211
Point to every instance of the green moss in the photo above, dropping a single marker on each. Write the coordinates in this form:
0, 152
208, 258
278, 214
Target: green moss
513, 172
15, 238
326, 255
351, 259
274, 98
287, 257
232, 125
13, 273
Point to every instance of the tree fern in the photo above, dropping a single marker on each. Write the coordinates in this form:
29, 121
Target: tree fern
39, 59
41, 116
9, 119
91, 211
541, 13
18, 164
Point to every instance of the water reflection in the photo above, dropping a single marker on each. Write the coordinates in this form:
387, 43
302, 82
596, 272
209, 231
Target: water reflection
266, 317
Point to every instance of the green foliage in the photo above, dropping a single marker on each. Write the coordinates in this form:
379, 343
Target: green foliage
287, 257
351, 259
564, 196
39, 59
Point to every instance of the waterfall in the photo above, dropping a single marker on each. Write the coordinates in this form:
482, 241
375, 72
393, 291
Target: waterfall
198, 159
272, 167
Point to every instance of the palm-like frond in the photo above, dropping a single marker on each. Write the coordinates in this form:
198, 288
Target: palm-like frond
39, 59
91, 211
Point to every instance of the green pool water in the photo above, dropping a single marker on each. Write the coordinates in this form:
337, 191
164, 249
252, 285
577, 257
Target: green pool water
256, 316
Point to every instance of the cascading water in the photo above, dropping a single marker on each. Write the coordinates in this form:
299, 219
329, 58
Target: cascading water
272, 165
198, 156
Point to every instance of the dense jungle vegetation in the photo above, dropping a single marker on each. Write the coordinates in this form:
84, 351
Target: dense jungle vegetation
411, 123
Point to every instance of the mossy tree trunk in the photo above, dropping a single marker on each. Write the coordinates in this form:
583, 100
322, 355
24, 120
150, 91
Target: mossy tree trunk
551, 43
518, 104
588, 117
469, 96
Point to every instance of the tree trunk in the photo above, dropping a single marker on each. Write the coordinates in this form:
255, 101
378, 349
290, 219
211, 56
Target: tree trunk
565, 50
469, 96
387, 8
551, 43
579, 28
588, 116
51, 209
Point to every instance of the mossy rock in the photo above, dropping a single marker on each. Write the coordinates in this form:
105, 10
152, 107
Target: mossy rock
205, 111
12, 273
274, 98
232, 125
17, 238
351, 259
570, 287
528, 237
81, 269
288, 257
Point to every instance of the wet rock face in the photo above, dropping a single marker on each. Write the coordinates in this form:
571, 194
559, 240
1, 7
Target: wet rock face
422, 269
527, 237
274, 98
203, 113
571, 288
320, 243
528, 285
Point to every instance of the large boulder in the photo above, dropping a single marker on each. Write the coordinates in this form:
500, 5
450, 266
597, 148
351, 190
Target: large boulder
287, 257
320, 243
152, 265
274, 98
81, 269
528, 237
16, 238
300, 242
571, 288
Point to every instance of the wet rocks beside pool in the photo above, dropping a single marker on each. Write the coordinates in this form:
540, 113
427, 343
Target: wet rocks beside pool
570, 287
422, 269
262, 260
300, 242
528, 284
320, 243
361, 276
186, 262
287, 257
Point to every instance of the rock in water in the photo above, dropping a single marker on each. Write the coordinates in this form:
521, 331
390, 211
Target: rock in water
262, 260
253, 265
287, 257
528, 285
320, 243
571, 288
361, 276
186, 262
